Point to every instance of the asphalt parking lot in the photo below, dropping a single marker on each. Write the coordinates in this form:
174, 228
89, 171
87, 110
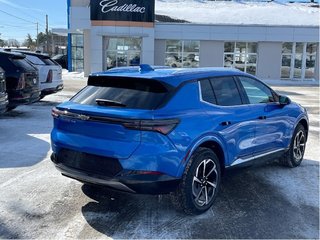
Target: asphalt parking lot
268, 201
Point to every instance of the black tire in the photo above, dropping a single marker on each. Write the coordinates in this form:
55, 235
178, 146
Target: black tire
10, 109
195, 196
294, 156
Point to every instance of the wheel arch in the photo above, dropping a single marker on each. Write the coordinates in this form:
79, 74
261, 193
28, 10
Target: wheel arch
211, 142
305, 124
217, 149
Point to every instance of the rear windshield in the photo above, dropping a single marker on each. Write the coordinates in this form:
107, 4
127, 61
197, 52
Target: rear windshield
122, 92
22, 63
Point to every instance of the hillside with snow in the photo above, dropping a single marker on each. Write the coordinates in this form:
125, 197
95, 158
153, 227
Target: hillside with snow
264, 13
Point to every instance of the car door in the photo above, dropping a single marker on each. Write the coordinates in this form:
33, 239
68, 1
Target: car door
270, 119
231, 119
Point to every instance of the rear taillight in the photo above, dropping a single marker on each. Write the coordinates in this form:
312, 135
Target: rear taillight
56, 113
22, 82
164, 126
49, 77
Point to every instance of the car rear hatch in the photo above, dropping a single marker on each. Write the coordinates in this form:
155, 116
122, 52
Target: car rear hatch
53, 70
29, 74
105, 118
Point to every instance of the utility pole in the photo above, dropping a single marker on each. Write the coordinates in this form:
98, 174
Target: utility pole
37, 36
47, 33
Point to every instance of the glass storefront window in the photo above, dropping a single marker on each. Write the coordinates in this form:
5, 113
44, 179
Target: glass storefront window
182, 53
298, 61
122, 52
241, 55
77, 57
311, 54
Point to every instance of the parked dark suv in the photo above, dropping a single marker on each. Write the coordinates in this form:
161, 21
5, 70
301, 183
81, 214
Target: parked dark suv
3, 93
21, 79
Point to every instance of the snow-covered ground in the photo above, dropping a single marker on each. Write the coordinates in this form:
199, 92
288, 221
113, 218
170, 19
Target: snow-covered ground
37, 202
213, 12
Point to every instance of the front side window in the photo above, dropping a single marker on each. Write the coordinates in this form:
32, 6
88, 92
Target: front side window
182, 53
241, 55
256, 91
226, 91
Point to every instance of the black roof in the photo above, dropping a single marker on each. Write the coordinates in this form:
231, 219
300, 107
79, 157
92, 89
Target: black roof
12, 54
39, 55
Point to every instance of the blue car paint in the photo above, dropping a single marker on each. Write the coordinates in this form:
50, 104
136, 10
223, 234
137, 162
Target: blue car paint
246, 136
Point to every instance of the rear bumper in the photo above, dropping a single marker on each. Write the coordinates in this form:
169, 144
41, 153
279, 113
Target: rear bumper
46, 90
17, 98
133, 183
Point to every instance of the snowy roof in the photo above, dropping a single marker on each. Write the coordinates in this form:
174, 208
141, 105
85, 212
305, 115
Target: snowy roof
245, 13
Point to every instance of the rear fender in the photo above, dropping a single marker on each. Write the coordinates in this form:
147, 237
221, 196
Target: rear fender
194, 147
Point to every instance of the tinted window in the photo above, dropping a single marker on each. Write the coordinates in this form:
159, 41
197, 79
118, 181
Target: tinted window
226, 91
22, 63
35, 60
123, 92
207, 92
256, 91
48, 61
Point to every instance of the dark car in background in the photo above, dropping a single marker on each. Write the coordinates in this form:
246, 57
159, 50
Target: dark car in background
62, 60
3, 94
22, 82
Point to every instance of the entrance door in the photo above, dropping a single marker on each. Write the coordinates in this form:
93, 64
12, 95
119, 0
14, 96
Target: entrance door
122, 52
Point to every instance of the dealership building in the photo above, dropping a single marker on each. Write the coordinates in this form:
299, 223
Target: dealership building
273, 41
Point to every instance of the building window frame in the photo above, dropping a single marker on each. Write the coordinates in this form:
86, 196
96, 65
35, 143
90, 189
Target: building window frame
112, 47
180, 56
77, 52
239, 56
295, 55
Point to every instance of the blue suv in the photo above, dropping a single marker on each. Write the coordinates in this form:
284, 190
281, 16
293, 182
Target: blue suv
157, 130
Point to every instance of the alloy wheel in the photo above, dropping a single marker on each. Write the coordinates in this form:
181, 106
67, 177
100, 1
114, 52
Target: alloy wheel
204, 182
299, 145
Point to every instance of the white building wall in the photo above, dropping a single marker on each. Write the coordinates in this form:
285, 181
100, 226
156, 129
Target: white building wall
211, 53
159, 52
269, 60
87, 51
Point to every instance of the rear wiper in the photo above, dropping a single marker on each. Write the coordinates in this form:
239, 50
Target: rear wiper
106, 102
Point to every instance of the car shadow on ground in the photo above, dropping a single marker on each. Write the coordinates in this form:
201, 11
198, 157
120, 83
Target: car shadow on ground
24, 142
247, 207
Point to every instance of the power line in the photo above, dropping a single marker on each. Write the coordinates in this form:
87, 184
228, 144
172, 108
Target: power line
17, 17
16, 26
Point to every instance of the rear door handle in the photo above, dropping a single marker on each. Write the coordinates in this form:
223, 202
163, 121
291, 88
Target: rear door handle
263, 117
225, 123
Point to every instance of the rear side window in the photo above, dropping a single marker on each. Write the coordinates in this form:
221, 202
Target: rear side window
226, 91
22, 63
123, 92
49, 61
207, 91
35, 60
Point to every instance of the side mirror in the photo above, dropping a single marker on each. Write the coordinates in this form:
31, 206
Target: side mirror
284, 100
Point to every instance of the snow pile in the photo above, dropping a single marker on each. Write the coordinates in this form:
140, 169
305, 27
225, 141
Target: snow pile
72, 75
266, 13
